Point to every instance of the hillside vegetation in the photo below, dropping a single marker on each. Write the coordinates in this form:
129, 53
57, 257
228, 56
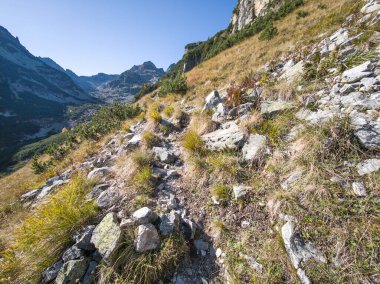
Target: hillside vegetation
260, 165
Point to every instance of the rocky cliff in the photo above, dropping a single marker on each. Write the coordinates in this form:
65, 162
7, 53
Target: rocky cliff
246, 11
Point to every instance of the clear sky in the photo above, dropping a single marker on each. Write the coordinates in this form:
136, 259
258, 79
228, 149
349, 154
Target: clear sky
110, 36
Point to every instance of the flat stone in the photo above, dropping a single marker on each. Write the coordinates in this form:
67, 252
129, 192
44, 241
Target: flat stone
368, 166
230, 136
30, 195
294, 72
357, 73
107, 236
135, 141
269, 108
72, 271
72, 253
359, 189
254, 148
371, 7
49, 188
127, 223
108, 198
145, 215
240, 191
147, 238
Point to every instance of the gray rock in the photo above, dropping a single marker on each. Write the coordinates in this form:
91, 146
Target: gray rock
108, 198
169, 223
189, 228
49, 188
165, 155
72, 253
241, 110
368, 166
293, 73
320, 116
269, 108
254, 148
220, 113
72, 271
371, 7
240, 191
291, 180
30, 195
147, 238
369, 138
51, 273
99, 173
201, 245
230, 136
135, 141
357, 73
107, 236
212, 100
127, 223
89, 276
254, 264
348, 88
97, 190
298, 251
145, 215
172, 174
83, 238
359, 189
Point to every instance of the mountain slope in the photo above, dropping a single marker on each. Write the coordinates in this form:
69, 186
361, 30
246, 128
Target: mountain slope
130, 82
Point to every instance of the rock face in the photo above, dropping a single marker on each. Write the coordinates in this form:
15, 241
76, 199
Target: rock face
246, 11
254, 148
299, 251
147, 238
230, 136
107, 236
72, 271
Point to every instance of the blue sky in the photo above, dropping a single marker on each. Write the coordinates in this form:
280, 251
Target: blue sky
92, 36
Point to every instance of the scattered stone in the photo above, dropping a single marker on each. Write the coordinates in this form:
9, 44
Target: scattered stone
145, 215
107, 236
72, 271
269, 108
298, 251
147, 238
99, 173
230, 136
83, 238
108, 198
212, 100
291, 180
72, 253
218, 252
169, 223
164, 155
254, 148
240, 191
293, 72
359, 189
245, 224
189, 228
357, 73
254, 264
368, 166
51, 273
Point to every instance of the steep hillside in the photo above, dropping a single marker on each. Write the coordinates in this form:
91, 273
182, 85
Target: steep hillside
34, 96
260, 165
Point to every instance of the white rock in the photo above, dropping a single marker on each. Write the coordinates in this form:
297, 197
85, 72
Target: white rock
147, 238
144, 215
294, 72
370, 7
368, 166
272, 107
357, 73
359, 189
254, 148
212, 100
240, 191
230, 136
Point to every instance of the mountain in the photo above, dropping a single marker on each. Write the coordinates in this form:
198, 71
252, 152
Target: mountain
87, 83
129, 83
34, 94
246, 12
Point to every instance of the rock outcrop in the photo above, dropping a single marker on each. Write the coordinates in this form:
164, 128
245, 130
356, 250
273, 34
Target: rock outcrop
246, 11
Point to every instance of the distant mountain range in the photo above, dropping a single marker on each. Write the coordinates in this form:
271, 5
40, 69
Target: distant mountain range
35, 93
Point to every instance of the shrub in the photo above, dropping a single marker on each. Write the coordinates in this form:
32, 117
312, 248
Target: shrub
193, 142
269, 32
143, 180
221, 192
40, 167
41, 238
141, 158
176, 84
150, 139
156, 116
302, 14
168, 111
235, 95
146, 89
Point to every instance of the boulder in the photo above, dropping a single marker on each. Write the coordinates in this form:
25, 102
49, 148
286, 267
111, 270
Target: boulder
108, 198
147, 238
241, 110
269, 108
230, 136
357, 73
298, 251
145, 215
169, 223
359, 189
368, 166
99, 173
254, 148
240, 191
135, 141
107, 236
72, 271
72, 253
89, 276
212, 100
51, 273
220, 113
82, 238
46, 189
165, 155
292, 73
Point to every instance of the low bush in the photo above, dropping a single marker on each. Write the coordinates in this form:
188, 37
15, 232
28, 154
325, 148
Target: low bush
176, 84
168, 111
269, 32
143, 180
156, 116
221, 192
192, 142
150, 139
